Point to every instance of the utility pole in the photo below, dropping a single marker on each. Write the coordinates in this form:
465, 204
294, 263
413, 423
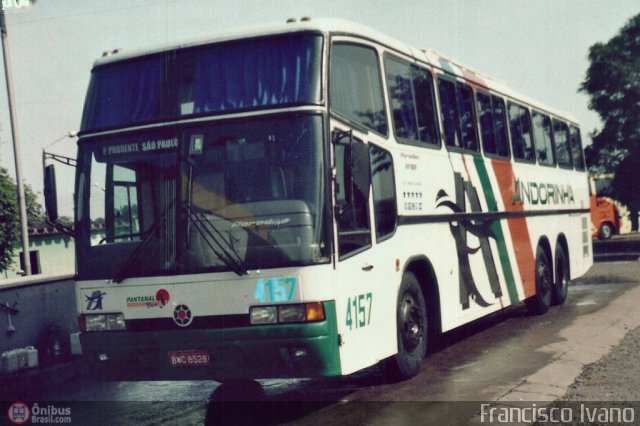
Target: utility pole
16, 147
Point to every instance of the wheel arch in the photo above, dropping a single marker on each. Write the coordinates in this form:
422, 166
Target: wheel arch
545, 245
424, 272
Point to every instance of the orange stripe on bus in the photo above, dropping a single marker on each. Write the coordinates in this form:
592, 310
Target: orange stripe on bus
517, 226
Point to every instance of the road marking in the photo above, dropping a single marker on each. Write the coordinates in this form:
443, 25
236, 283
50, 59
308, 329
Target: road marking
460, 367
587, 302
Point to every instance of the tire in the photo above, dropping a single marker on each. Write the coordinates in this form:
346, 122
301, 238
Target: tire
606, 231
562, 276
540, 302
412, 331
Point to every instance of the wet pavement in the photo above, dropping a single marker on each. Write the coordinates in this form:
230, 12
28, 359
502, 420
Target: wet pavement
508, 356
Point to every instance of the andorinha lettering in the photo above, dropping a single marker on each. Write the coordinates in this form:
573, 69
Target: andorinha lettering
542, 193
145, 146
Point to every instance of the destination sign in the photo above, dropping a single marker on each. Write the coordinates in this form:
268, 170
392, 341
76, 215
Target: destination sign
137, 147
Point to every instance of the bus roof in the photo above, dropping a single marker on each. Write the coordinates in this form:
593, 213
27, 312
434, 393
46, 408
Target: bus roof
343, 27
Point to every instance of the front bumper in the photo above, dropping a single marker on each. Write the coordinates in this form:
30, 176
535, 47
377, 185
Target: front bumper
252, 352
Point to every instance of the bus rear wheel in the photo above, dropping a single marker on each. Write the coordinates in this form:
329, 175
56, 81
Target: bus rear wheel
540, 302
561, 284
412, 331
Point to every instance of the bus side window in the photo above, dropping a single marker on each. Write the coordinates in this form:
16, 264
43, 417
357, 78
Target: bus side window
561, 139
403, 106
493, 127
485, 116
458, 119
576, 148
542, 139
425, 105
352, 197
467, 119
356, 86
500, 125
413, 111
521, 138
384, 192
450, 118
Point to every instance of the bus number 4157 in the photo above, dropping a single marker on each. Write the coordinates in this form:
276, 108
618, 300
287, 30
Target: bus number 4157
359, 310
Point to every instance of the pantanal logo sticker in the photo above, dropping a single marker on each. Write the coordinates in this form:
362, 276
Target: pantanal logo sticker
160, 299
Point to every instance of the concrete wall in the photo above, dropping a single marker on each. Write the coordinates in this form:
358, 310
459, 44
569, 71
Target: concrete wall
46, 307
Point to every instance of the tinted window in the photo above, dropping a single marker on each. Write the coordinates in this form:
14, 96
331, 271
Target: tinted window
250, 74
425, 104
456, 100
467, 120
403, 104
356, 90
542, 138
124, 93
449, 109
215, 78
411, 94
521, 138
576, 148
352, 197
491, 114
384, 191
561, 140
500, 123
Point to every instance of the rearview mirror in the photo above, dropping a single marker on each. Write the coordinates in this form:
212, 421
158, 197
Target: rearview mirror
50, 193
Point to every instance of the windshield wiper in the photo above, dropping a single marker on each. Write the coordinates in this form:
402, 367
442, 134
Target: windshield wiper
121, 275
216, 241
150, 233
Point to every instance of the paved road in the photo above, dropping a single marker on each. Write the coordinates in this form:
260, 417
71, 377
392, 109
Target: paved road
618, 248
507, 357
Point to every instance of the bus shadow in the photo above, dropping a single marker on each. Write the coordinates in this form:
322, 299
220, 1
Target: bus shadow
245, 403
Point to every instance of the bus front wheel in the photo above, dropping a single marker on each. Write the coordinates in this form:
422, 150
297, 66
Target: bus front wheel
539, 303
412, 331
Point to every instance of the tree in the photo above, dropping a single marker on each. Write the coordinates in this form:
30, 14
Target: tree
9, 228
10, 217
613, 85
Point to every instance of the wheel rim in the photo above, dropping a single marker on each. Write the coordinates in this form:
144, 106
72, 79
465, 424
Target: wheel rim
546, 281
606, 231
411, 320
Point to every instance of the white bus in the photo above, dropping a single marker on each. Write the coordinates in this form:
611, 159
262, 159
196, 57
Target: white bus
310, 199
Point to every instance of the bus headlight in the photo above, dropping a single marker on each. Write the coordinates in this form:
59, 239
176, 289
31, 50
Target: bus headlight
291, 313
263, 315
102, 322
307, 312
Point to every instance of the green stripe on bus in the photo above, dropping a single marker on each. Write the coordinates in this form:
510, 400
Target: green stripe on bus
492, 205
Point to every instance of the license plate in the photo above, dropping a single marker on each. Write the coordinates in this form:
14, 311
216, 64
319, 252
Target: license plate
190, 358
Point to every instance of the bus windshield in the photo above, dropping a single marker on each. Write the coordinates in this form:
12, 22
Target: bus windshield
237, 195
218, 78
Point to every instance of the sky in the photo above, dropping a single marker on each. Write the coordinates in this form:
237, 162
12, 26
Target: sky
537, 47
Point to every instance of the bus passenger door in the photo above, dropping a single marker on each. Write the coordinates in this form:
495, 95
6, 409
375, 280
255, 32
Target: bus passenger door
355, 268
